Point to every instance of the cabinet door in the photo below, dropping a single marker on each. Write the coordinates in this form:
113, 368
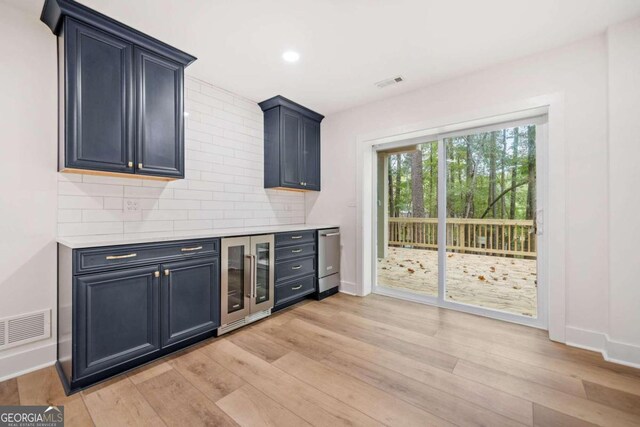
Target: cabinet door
311, 154
98, 123
263, 261
190, 299
235, 279
160, 115
290, 148
115, 318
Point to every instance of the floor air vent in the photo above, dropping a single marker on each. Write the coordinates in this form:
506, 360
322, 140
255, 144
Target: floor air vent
25, 328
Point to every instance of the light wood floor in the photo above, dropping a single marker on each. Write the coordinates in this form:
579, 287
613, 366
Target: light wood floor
358, 361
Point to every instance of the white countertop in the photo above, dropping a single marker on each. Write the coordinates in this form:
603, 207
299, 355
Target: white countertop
78, 242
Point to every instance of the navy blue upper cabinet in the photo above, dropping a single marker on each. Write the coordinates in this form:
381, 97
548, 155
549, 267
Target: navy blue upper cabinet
291, 145
121, 95
99, 109
160, 115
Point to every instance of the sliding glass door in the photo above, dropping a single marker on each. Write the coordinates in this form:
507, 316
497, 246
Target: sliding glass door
457, 221
408, 219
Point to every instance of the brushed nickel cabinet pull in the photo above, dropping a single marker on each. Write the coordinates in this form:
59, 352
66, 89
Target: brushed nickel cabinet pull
166, 272
121, 256
197, 248
296, 237
296, 267
130, 164
156, 274
296, 251
295, 288
139, 165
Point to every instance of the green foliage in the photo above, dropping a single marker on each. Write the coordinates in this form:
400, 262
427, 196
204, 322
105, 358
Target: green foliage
482, 168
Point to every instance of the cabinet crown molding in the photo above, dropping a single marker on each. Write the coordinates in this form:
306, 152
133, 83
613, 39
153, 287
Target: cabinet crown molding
281, 101
54, 12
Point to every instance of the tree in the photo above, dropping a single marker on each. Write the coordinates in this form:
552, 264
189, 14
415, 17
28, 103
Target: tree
392, 200
503, 206
531, 164
417, 184
397, 185
514, 172
470, 178
492, 173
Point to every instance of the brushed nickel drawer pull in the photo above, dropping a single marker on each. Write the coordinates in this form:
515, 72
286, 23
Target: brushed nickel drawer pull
296, 237
197, 248
295, 288
296, 267
121, 256
296, 251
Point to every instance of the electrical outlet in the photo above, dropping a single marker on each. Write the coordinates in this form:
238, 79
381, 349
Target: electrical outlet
131, 205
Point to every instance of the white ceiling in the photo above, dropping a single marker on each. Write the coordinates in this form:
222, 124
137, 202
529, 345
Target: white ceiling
348, 45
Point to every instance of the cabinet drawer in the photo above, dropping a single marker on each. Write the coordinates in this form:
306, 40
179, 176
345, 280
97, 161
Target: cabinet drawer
95, 259
297, 251
286, 292
295, 238
295, 268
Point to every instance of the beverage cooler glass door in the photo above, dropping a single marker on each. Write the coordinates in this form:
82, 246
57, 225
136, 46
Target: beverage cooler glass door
263, 272
236, 279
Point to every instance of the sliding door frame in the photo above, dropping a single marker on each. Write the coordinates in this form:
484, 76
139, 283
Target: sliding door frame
537, 117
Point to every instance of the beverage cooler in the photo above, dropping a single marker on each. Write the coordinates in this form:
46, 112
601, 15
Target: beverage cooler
247, 285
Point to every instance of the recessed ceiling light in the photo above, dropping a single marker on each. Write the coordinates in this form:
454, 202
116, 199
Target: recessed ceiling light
291, 56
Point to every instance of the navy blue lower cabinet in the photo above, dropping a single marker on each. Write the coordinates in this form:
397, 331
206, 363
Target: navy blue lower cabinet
116, 318
190, 299
122, 306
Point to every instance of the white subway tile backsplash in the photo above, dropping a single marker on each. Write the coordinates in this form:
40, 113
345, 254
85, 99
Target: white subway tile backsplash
192, 195
206, 214
195, 224
179, 204
164, 215
79, 202
147, 226
148, 192
81, 189
69, 215
103, 215
90, 228
223, 185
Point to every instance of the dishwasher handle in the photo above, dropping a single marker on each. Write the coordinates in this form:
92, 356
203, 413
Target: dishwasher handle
330, 234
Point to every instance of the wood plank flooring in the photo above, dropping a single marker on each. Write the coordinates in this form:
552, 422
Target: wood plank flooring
358, 362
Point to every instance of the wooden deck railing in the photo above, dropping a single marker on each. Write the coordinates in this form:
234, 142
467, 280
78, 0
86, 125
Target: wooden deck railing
502, 237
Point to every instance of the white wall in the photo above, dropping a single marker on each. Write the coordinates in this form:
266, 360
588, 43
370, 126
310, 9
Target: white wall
579, 73
624, 194
28, 105
223, 188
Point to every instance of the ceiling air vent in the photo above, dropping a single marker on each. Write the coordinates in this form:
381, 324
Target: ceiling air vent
388, 82
25, 328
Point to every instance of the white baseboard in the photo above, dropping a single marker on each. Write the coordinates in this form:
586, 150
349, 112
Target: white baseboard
348, 288
612, 351
17, 364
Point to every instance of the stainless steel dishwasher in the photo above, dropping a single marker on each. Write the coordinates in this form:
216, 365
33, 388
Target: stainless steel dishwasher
328, 262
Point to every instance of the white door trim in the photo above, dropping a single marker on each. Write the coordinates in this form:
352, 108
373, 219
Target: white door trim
554, 180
